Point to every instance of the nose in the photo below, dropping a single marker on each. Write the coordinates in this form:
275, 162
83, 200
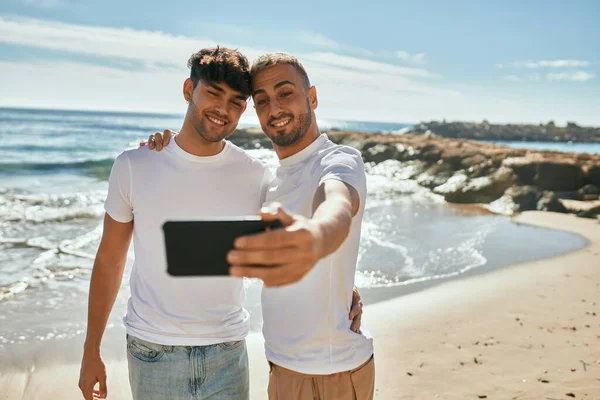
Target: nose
222, 107
275, 108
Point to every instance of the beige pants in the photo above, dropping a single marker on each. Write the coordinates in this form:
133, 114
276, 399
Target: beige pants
356, 384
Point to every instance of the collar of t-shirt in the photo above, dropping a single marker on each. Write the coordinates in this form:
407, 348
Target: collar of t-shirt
305, 153
177, 150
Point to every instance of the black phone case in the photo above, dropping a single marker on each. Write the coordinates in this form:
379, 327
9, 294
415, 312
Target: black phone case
199, 248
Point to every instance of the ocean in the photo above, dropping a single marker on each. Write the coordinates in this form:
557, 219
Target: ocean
54, 167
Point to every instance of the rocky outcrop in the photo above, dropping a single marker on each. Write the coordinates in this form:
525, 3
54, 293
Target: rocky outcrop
466, 171
510, 132
585, 209
485, 189
251, 139
592, 174
380, 152
525, 198
549, 201
547, 174
436, 175
589, 192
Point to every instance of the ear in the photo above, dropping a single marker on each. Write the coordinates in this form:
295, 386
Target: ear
188, 89
244, 108
312, 95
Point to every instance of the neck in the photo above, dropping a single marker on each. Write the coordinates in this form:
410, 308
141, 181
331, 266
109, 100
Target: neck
191, 142
310, 136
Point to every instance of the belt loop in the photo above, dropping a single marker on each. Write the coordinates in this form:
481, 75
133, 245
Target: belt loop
315, 388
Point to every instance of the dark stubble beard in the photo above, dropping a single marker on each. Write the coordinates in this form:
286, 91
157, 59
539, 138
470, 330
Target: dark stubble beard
197, 124
299, 130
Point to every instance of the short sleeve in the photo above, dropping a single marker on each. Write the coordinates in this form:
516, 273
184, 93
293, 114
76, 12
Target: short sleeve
118, 200
345, 164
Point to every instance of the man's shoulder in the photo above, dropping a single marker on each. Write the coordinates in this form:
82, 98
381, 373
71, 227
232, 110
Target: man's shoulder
137, 154
143, 156
337, 153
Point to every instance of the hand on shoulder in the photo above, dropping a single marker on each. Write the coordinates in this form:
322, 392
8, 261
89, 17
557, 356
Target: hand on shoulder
158, 141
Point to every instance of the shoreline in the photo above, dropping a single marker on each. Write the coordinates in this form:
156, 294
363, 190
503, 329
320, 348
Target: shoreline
435, 330
518, 332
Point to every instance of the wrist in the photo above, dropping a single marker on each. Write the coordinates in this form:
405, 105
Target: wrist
91, 349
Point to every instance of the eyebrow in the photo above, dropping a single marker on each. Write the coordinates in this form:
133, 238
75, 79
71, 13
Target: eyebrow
217, 88
221, 90
280, 84
277, 86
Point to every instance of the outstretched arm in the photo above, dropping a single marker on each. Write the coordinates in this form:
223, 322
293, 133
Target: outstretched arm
292, 251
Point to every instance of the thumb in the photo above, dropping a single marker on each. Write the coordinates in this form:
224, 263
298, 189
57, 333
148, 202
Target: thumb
167, 134
275, 211
103, 389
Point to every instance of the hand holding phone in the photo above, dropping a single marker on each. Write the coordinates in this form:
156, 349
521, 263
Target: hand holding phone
199, 248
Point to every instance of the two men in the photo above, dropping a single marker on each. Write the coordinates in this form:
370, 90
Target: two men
185, 337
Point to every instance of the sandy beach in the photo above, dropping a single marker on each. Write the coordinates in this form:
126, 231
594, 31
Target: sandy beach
528, 331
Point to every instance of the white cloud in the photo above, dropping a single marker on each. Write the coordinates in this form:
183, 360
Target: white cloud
319, 40
92, 87
577, 76
362, 64
322, 41
362, 81
151, 47
158, 48
343, 94
551, 64
418, 58
349, 86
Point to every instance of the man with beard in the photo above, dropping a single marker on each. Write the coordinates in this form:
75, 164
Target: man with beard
311, 349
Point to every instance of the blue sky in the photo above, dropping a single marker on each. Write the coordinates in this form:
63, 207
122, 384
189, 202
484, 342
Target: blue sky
404, 61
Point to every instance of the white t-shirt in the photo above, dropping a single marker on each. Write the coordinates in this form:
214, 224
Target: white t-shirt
152, 187
306, 325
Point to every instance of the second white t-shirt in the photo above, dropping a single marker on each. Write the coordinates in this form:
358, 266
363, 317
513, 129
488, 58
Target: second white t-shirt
305, 324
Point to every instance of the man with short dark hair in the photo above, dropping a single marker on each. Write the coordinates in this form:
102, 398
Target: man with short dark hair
185, 337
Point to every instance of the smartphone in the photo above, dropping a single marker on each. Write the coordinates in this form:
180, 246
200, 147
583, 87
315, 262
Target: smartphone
199, 248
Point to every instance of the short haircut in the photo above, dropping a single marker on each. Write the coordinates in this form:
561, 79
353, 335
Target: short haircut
219, 65
271, 59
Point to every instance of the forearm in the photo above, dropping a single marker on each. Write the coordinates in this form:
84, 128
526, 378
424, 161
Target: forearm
333, 218
104, 287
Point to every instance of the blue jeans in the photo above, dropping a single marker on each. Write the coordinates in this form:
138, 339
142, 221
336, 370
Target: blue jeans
212, 372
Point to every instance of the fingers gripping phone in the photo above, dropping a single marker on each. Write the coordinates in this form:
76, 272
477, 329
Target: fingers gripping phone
199, 248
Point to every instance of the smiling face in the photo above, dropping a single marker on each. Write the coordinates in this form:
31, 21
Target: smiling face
214, 109
284, 103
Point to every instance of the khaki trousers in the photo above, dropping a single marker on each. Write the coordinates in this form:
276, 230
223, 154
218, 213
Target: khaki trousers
356, 384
